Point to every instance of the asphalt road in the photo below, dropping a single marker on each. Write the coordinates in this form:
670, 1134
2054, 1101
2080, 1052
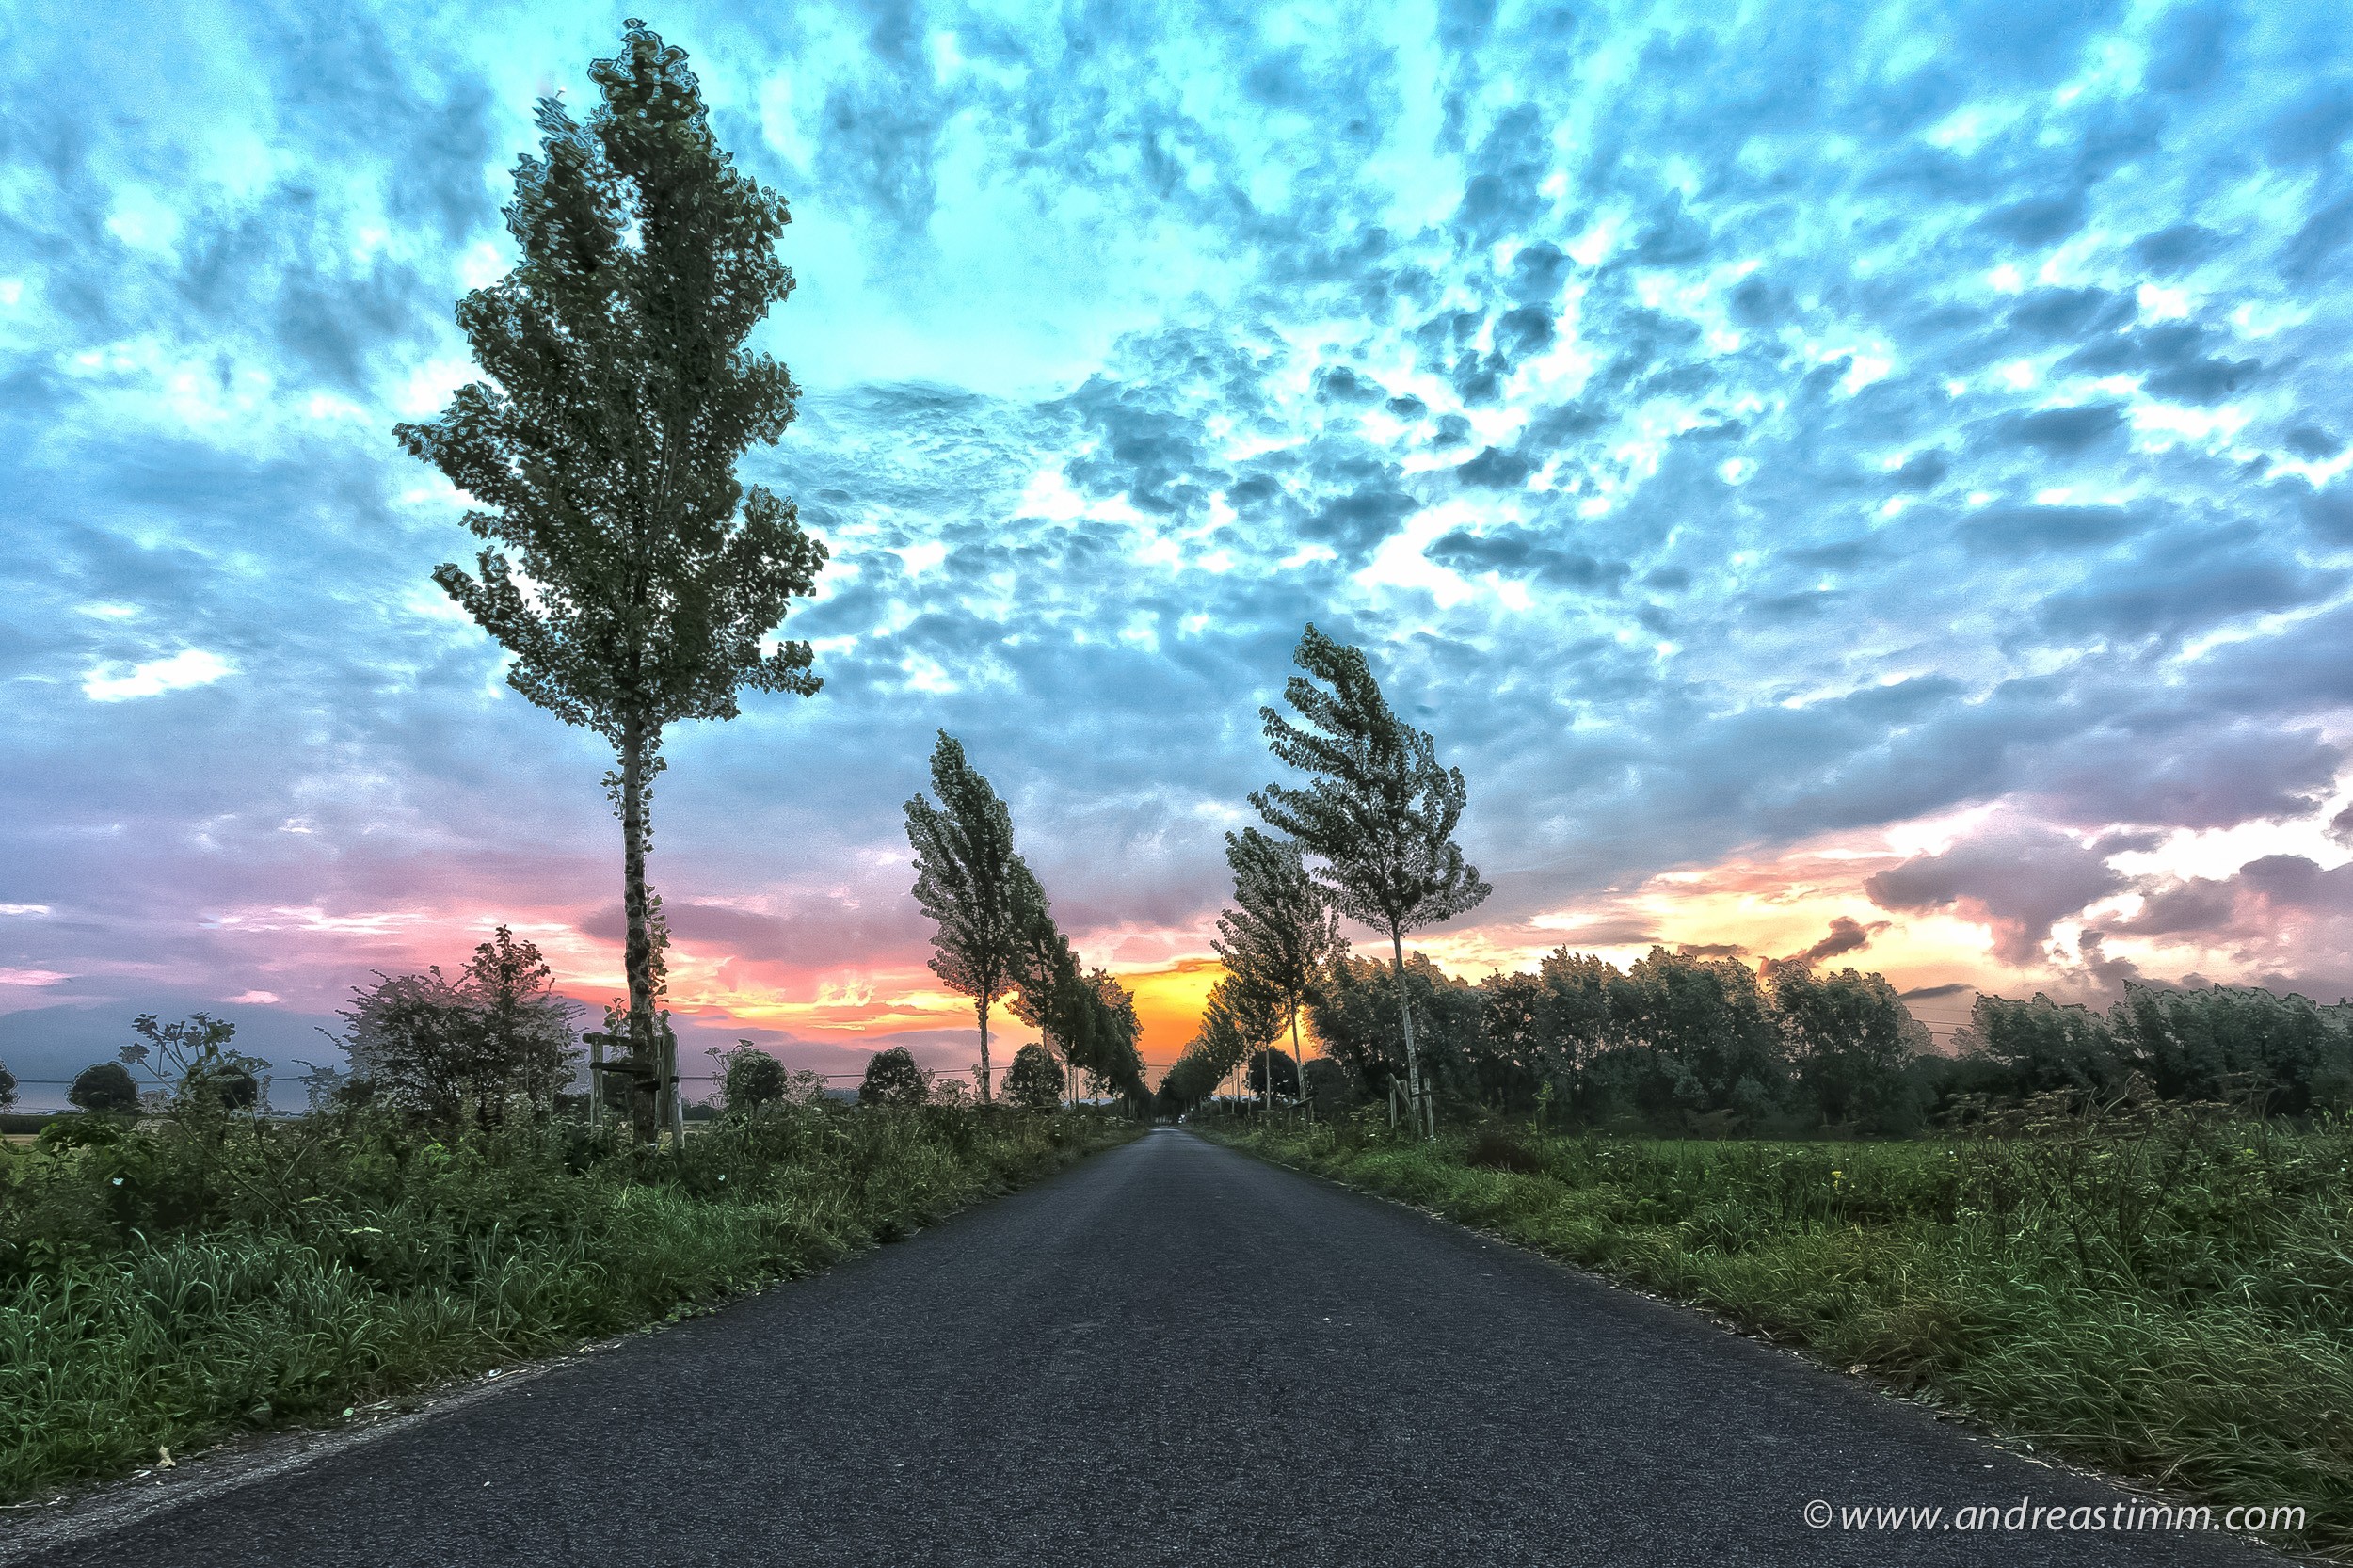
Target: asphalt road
1169, 1354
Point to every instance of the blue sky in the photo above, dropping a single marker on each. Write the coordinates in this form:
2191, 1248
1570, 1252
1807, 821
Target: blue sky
1865, 462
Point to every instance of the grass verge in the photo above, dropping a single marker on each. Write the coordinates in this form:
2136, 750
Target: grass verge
159, 1289
2170, 1300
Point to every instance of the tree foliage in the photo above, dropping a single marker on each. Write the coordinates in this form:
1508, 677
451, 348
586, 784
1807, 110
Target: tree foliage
1282, 935
497, 1039
893, 1079
1377, 811
1034, 1081
1676, 1041
2245, 1046
106, 1088
1086, 1015
749, 1078
1270, 1074
1357, 1019
1848, 1039
1237, 1020
632, 576
193, 1065
980, 897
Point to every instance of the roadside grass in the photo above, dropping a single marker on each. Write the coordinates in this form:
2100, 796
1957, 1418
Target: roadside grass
2166, 1296
157, 1291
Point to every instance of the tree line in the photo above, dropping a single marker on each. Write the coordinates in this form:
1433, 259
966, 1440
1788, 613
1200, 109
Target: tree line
1676, 1040
994, 939
2265, 1051
1683, 1042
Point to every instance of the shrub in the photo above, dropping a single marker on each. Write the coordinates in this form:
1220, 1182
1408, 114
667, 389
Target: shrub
1496, 1149
749, 1078
105, 1087
1034, 1081
892, 1078
498, 1034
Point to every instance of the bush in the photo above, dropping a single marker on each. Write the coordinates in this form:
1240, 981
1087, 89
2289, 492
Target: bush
892, 1078
106, 1088
1496, 1149
1330, 1089
749, 1078
1034, 1080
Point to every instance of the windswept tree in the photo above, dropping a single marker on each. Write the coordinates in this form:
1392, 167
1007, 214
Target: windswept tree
634, 580
1050, 994
1378, 812
1282, 935
1086, 1015
1119, 1034
981, 899
1237, 1020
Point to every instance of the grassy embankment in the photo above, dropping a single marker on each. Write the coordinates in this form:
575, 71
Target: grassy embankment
2164, 1296
161, 1286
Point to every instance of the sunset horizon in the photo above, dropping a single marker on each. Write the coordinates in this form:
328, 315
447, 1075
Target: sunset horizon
1960, 601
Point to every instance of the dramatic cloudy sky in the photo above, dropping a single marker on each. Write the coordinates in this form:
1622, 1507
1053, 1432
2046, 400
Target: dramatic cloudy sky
1856, 477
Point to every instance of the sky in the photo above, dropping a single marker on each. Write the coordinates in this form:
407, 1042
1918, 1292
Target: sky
1865, 479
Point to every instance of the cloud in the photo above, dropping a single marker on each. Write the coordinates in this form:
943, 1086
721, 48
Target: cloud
116, 682
2018, 878
1736, 450
1847, 934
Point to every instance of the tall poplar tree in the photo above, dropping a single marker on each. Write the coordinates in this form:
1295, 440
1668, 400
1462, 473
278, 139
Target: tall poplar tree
630, 575
1379, 812
1283, 933
981, 899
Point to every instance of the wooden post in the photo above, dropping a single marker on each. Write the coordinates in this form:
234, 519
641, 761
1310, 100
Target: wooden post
595, 1081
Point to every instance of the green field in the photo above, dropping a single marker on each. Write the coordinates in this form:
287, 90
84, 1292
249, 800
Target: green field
2166, 1296
161, 1286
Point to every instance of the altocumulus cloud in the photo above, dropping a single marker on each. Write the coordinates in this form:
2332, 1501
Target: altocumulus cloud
1726, 440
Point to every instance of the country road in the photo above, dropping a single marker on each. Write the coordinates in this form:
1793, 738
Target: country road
1169, 1354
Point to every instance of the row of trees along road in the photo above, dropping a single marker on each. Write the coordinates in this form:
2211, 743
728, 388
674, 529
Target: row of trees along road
1371, 836
994, 938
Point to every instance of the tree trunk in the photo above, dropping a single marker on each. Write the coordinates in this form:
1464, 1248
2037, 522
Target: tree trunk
1425, 1115
982, 1008
1299, 1065
596, 1080
643, 1043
